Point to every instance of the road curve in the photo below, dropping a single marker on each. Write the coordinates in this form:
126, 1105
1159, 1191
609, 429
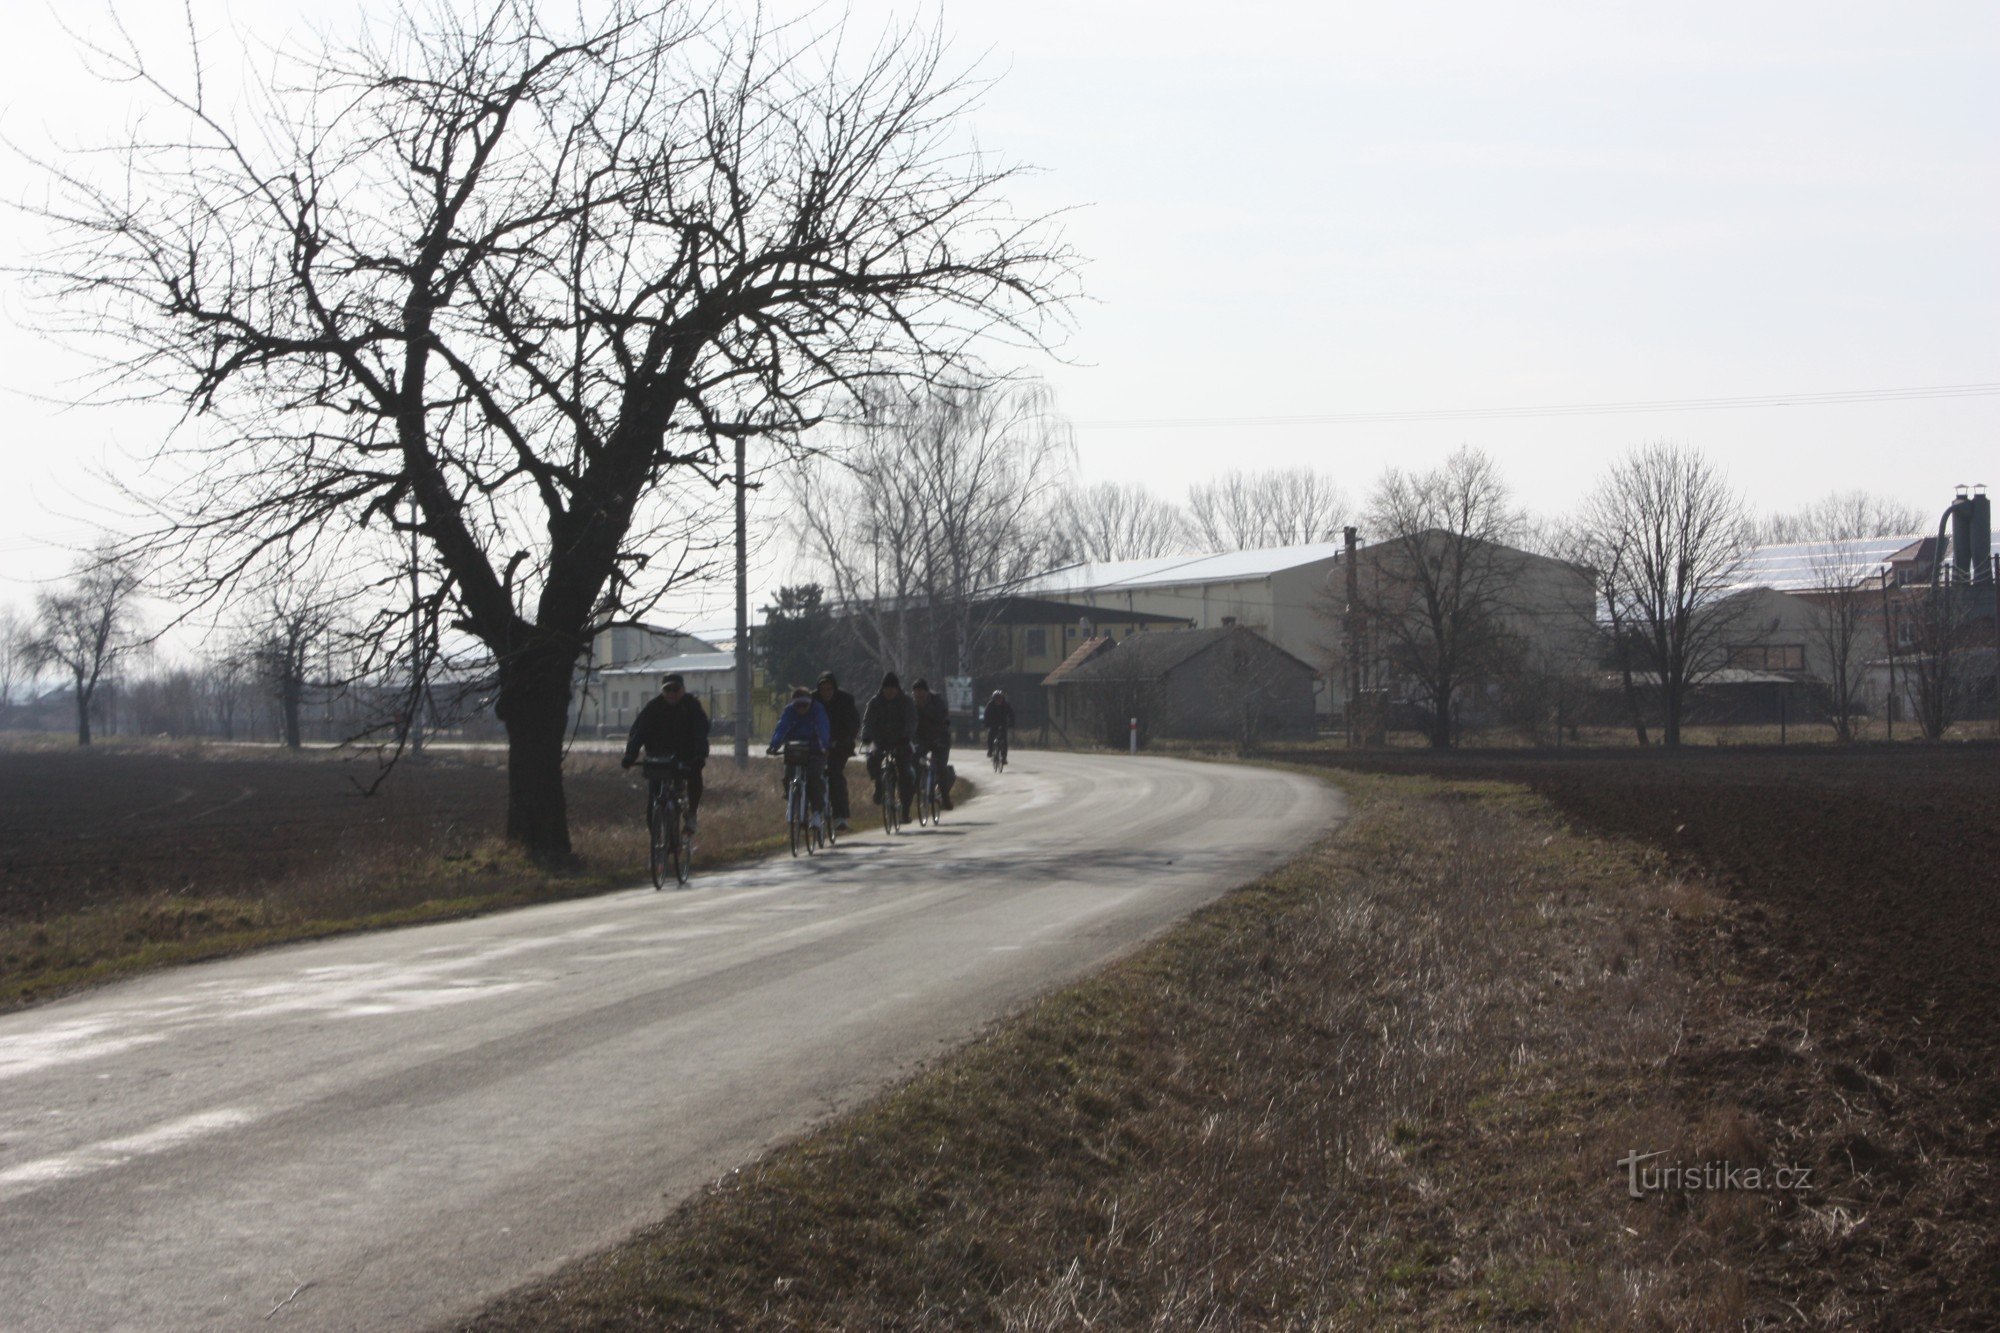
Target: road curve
390, 1129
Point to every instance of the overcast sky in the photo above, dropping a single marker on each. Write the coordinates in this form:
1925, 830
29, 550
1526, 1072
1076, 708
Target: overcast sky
1345, 209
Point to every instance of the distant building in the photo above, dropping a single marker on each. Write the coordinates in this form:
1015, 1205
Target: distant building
1282, 593
1226, 683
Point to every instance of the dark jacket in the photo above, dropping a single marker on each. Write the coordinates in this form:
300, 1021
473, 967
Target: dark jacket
933, 723
889, 722
842, 717
667, 730
999, 715
809, 726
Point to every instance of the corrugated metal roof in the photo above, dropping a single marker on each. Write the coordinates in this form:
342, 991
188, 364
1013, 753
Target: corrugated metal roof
1810, 566
1175, 570
686, 664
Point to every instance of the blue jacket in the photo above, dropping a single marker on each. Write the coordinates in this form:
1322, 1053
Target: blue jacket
811, 726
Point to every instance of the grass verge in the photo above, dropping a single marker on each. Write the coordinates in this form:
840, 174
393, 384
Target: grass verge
1387, 1084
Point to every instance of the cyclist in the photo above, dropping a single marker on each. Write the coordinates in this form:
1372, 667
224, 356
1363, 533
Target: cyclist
999, 720
672, 725
804, 720
934, 736
844, 720
889, 727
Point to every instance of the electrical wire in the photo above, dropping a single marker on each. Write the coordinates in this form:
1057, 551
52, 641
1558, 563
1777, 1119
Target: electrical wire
1839, 398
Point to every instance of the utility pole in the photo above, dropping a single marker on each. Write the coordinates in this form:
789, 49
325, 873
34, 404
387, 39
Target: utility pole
742, 605
1889, 642
415, 727
1349, 633
1994, 583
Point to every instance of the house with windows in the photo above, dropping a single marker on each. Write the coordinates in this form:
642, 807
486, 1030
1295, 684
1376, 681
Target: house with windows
1227, 683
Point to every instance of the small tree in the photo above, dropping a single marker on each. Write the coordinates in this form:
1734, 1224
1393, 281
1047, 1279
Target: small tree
1941, 635
1109, 520
1672, 535
1436, 586
15, 672
86, 629
1279, 507
797, 637
1854, 513
283, 641
932, 511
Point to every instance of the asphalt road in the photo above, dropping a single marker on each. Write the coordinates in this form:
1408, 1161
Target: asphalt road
383, 1131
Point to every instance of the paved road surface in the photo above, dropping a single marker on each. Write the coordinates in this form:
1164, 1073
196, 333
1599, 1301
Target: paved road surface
405, 1124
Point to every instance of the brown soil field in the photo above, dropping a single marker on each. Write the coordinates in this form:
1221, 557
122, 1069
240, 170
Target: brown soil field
134, 855
1852, 1013
79, 827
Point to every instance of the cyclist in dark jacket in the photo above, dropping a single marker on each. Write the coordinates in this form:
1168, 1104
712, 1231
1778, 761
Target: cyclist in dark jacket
934, 736
999, 721
804, 720
844, 721
889, 727
672, 725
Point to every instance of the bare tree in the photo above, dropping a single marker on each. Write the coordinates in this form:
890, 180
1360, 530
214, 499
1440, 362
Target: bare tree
1936, 668
283, 642
15, 673
1281, 507
86, 629
1435, 588
1672, 534
932, 512
1109, 520
1846, 600
1839, 515
503, 278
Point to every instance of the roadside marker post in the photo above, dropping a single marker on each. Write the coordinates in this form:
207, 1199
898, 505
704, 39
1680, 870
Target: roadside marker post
1134, 730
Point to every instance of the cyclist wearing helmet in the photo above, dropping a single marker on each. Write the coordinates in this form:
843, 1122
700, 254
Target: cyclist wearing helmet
804, 720
999, 720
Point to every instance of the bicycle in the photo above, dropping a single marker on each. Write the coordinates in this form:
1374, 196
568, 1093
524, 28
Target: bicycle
806, 823
666, 823
892, 793
926, 802
996, 750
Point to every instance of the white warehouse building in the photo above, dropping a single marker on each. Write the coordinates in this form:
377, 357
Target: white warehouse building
1280, 592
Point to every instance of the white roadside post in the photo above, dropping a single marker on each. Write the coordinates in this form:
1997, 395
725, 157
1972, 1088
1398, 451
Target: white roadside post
1134, 730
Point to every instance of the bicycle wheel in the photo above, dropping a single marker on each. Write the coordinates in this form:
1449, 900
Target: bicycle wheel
681, 851
657, 830
923, 786
681, 847
794, 817
892, 800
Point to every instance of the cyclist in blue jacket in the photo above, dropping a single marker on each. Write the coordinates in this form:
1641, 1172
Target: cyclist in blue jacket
805, 720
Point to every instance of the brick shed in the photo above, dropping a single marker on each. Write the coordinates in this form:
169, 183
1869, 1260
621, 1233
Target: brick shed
1226, 683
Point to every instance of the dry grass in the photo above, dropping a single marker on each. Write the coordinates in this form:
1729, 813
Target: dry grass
1387, 1085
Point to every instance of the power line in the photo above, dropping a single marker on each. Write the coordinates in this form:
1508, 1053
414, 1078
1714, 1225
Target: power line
1917, 392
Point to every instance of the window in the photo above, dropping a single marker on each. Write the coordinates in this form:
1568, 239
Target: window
1768, 656
1037, 641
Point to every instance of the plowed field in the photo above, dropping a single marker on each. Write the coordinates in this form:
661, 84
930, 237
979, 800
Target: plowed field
79, 827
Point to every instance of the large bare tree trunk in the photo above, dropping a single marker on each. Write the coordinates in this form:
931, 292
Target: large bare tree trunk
82, 713
534, 705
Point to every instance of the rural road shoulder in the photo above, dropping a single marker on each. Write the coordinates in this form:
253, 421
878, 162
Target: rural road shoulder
392, 1128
